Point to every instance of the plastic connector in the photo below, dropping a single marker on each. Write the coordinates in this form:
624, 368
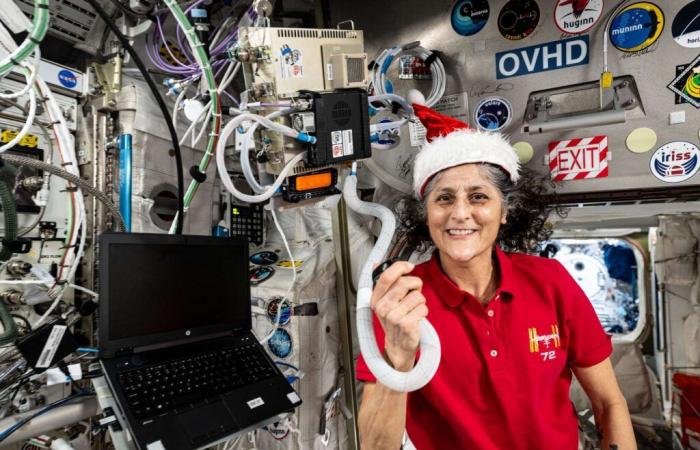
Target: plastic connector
303, 137
606, 80
174, 87
42, 197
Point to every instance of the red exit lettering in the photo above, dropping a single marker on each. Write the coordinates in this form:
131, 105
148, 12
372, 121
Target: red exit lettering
577, 159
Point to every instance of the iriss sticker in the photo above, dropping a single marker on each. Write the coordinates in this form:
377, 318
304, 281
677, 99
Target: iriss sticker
675, 162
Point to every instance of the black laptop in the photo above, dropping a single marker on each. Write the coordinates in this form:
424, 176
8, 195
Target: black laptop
176, 343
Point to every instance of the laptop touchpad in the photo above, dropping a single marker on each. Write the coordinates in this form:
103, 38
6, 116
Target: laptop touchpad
206, 421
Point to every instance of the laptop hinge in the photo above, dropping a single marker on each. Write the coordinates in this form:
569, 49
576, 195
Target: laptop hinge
175, 343
124, 351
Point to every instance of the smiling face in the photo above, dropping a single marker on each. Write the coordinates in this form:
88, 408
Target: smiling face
464, 213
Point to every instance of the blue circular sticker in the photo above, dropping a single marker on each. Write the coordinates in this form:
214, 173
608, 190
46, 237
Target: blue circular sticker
636, 27
469, 16
264, 258
67, 79
285, 314
280, 344
675, 162
259, 274
493, 114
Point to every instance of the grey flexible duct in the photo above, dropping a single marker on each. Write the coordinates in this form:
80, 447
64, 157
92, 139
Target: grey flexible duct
84, 185
8, 324
9, 208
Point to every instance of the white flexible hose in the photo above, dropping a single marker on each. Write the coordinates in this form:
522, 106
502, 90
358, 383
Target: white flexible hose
388, 178
221, 161
27, 124
245, 160
429, 359
30, 75
176, 106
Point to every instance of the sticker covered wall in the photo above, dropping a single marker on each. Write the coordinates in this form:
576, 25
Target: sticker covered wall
565, 78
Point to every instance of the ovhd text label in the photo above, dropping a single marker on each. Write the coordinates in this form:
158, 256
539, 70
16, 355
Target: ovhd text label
539, 58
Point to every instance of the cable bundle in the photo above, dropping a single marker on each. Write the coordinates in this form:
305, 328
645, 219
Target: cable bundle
380, 67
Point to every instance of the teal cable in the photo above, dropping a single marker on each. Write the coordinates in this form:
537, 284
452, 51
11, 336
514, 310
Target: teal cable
202, 58
39, 27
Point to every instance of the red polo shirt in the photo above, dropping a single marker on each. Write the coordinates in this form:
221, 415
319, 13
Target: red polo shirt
504, 376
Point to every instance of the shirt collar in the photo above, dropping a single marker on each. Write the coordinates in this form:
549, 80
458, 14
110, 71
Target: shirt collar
452, 295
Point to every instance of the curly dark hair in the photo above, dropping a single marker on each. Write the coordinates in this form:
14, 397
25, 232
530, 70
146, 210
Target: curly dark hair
529, 202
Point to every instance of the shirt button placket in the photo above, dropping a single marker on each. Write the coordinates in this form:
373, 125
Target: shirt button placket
491, 313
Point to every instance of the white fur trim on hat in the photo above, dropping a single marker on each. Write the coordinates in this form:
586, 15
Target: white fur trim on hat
463, 147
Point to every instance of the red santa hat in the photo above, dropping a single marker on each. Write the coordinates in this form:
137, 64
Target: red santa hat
450, 143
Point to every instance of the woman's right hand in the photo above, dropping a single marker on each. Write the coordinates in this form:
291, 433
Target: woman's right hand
399, 305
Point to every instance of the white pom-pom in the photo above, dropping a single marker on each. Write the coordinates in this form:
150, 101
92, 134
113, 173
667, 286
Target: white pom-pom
415, 96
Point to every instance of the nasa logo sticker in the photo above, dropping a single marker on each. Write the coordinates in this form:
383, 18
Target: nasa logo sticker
686, 25
577, 16
493, 114
675, 162
636, 27
469, 16
518, 19
67, 79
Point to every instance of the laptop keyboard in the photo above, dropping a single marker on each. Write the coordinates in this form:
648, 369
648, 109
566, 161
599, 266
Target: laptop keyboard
156, 389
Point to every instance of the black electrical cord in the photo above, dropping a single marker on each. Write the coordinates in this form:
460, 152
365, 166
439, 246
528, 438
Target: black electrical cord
161, 104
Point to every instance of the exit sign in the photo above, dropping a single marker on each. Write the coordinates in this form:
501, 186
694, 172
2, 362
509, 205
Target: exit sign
576, 159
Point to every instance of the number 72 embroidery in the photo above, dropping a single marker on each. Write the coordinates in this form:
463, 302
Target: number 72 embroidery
547, 342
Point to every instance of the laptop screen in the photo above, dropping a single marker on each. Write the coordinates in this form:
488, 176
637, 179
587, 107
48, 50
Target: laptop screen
173, 286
